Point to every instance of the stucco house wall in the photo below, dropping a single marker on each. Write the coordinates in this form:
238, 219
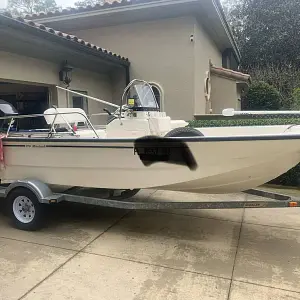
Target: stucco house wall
168, 43
160, 52
223, 94
205, 51
23, 69
173, 53
226, 88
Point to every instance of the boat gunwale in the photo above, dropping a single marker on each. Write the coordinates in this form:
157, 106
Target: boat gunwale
132, 140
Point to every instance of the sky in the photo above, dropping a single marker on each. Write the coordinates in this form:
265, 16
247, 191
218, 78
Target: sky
3, 4
64, 3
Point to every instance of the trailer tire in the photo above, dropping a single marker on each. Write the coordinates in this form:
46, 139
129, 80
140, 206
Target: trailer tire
24, 209
184, 132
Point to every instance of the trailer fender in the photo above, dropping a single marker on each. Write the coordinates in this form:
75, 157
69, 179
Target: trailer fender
39, 188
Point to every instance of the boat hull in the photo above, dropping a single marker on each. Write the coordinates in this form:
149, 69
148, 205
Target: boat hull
225, 164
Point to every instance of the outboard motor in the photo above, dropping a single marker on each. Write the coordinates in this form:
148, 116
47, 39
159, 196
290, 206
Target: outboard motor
6, 110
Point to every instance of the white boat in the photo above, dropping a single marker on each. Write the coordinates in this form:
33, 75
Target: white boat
216, 160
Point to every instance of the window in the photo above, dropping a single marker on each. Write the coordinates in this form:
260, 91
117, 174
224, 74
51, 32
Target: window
229, 60
158, 95
80, 102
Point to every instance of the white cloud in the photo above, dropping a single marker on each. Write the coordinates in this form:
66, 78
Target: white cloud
3, 4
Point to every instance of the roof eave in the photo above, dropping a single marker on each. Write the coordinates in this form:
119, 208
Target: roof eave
230, 74
18, 25
108, 10
225, 24
121, 8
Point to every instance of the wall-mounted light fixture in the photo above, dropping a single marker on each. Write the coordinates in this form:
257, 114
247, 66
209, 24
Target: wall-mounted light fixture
65, 74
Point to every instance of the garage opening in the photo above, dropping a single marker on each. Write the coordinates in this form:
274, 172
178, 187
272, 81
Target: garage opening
27, 99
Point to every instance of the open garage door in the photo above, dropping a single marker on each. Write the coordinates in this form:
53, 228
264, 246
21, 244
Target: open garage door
27, 99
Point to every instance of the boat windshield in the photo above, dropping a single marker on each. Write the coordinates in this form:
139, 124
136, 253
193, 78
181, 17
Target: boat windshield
140, 96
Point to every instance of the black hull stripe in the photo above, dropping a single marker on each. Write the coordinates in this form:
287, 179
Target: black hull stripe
183, 139
67, 146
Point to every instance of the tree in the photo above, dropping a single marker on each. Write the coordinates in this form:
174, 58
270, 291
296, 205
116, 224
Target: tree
234, 15
85, 3
267, 31
268, 37
296, 98
24, 7
285, 79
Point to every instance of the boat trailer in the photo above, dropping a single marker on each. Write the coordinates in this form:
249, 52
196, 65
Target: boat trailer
26, 201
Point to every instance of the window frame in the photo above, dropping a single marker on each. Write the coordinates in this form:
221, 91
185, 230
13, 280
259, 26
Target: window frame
84, 99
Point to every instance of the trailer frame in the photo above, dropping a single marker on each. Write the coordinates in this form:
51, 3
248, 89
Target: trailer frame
39, 195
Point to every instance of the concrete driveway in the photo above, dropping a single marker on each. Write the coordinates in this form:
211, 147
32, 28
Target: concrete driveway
107, 254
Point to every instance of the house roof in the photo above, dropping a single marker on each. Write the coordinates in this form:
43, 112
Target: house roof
102, 5
74, 41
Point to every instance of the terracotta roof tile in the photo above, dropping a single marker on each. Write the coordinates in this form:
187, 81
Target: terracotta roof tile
59, 34
230, 73
103, 5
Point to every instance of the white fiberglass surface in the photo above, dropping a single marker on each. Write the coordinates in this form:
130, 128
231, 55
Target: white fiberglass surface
250, 130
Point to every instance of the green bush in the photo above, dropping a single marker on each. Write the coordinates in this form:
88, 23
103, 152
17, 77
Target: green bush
290, 178
246, 122
284, 77
262, 96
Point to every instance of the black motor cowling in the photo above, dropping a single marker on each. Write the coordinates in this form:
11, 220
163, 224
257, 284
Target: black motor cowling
7, 109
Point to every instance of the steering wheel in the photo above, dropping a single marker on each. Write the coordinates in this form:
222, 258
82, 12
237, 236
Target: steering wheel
106, 110
124, 108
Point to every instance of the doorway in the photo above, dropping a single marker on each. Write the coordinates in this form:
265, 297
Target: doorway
27, 99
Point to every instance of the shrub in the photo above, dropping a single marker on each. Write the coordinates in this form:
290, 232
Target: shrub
262, 96
290, 178
285, 78
246, 122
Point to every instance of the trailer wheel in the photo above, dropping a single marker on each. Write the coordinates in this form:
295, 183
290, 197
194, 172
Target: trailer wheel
184, 132
26, 212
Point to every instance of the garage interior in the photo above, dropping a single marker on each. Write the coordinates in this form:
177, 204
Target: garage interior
27, 99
